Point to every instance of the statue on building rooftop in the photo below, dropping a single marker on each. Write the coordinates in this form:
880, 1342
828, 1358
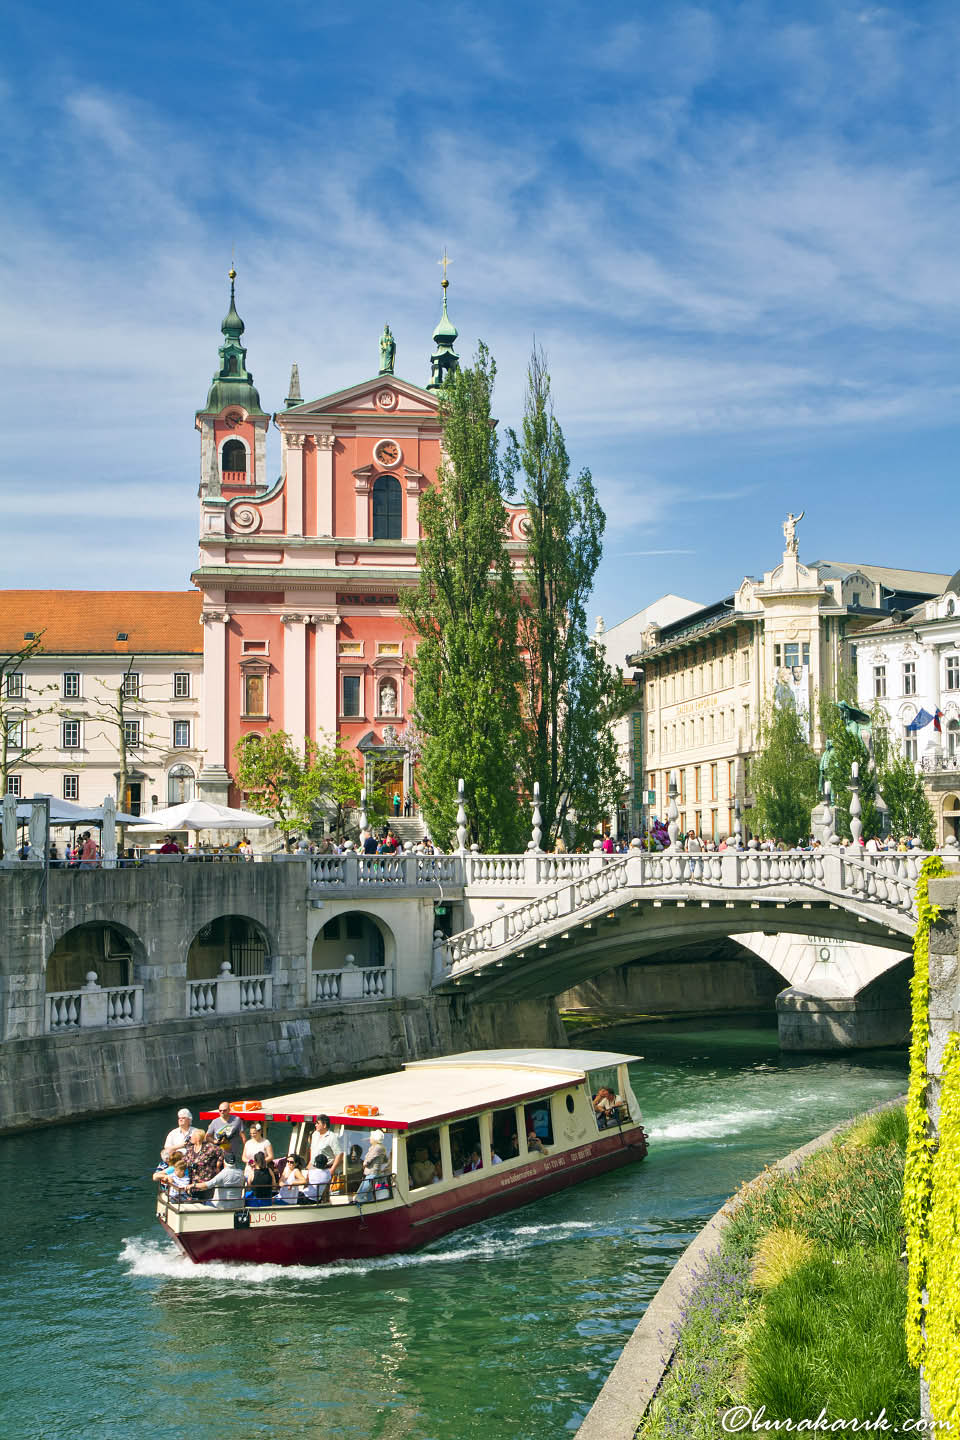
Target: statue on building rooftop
388, 351
790, 531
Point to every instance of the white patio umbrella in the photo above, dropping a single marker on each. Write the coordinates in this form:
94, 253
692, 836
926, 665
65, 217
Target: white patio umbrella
65, 812
203, 815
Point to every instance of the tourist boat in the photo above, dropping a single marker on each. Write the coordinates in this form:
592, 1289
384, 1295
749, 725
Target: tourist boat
527, 1116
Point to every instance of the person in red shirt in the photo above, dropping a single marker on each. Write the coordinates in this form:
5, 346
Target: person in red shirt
169, 847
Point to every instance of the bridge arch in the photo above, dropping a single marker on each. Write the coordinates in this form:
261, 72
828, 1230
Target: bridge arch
235, 939
109, 949
366, 937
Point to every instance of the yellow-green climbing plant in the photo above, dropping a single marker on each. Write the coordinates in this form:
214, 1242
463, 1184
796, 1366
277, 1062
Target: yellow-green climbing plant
942, 1322
918, 1170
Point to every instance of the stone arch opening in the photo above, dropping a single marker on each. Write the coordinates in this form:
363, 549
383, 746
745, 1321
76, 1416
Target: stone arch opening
951, 817
366, 938
110, 951
229, 939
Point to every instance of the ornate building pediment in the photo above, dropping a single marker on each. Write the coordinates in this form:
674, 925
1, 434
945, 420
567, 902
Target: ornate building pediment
387, 395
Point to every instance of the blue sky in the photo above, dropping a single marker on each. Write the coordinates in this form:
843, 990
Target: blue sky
733, 228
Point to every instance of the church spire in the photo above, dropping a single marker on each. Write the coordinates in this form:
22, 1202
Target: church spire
233, 382
444, 358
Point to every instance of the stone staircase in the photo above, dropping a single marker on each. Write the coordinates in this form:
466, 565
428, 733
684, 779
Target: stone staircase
408, 828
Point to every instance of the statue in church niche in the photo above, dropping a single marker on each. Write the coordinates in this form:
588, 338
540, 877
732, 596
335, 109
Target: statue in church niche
790, 530
388, 351
388, 698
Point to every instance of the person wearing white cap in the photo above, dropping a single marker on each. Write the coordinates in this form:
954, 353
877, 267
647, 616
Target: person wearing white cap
178, 1138
375, 1164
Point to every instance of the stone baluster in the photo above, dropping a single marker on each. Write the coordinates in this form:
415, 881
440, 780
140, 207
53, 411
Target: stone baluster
829, 815
363, 810
856, 810
9, 806
537, 831
673, 814
461, 819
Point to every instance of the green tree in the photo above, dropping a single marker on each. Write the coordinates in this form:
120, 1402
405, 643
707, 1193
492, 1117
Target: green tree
467, 669
296, 787
571, 695
901, 786
783, 775
847, 749
17, 709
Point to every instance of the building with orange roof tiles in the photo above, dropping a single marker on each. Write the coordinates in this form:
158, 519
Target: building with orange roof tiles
98, 684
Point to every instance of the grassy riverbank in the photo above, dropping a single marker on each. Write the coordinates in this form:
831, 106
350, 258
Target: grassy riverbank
803, 1307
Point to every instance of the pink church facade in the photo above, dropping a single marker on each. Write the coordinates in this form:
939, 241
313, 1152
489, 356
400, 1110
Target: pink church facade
301, 577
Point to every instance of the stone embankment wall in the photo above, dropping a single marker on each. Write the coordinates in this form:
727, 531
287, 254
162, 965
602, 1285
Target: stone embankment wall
717, 978
64, 1077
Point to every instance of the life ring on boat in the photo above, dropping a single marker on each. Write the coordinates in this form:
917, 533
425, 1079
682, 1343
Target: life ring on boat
350, 1110
247, 1107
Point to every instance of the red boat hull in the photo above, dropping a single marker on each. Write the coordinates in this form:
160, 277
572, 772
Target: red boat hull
388, 1230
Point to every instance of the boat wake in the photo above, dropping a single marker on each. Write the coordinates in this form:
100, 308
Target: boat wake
160, 1259
694, 1125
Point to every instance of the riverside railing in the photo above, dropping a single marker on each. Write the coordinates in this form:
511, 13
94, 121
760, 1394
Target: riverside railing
229, 994
93, 1008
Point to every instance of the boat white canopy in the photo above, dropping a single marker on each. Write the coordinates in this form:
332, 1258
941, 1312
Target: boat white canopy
416, 1095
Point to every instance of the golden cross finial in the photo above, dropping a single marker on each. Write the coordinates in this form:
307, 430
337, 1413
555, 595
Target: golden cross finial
233, 266
444, 261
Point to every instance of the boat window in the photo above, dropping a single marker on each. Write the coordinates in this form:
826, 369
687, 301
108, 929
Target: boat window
424, 1160
465, 1146
355, 1144
608, 1103
539, 1121
505, 1135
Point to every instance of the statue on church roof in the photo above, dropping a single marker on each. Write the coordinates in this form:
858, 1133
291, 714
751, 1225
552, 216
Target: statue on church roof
388, 351
790, 531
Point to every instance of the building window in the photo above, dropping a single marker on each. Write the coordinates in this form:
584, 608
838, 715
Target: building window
696, 784
389, 647
131, 685
255, 693
181, 734
714, 794
14, 686
351, 695
953, 672
855, 598
910, 745
256, 647
180, 785
71, 685
131, 733
15, 729
181, 685
71, 787
909, 678
233, 458
14, 785
953, 737
387, 508
879, 680
70, 734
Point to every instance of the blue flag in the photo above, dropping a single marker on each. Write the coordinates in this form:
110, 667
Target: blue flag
921, 719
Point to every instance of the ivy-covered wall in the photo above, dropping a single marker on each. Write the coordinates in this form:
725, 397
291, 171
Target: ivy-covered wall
932, 1176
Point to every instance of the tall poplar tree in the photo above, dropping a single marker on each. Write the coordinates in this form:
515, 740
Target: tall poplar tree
572, 696
783, 775
467, 669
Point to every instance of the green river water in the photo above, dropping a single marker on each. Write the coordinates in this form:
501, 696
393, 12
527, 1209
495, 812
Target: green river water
504, 1331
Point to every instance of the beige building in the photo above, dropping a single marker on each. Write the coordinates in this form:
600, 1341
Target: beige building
708, 676
105, 661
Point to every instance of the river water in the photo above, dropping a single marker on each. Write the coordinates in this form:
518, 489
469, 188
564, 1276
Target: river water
504, 1331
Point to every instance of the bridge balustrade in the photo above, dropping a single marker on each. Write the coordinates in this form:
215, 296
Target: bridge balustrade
332, 987
91, 1008
229, 994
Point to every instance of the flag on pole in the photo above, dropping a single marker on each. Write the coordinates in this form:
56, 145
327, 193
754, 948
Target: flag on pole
936, 722
922, 718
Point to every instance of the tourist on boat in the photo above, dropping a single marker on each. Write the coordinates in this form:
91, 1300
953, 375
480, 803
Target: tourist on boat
323, 1141
422, 1171
534, 1143
474, 1161
375, 1165
261, 1184
174, 1177
318, 1180
179, 1138
291, 1180
203, 1155
257, 1144
227, 1126
227, 1185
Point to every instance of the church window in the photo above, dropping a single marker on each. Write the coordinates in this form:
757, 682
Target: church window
233, 458
351, 695
387, 508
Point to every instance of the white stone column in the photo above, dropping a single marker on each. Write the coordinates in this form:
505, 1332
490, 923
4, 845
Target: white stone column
295, 677
326, 679
294, 483
324, 444
214, 780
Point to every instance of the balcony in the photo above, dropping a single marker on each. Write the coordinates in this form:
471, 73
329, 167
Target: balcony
93, 1008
